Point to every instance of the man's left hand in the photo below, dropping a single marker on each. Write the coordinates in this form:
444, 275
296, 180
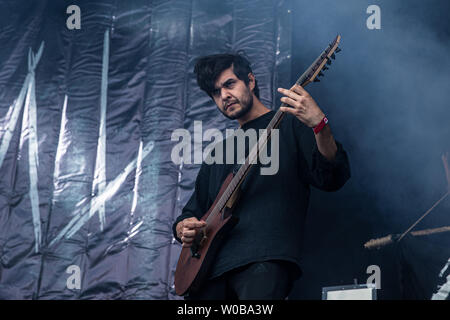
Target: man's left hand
303, 105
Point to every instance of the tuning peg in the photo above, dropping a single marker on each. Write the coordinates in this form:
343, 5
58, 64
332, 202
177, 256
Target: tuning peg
316, 80
320, 74
325, 68
328, 61
338, 50
333, 56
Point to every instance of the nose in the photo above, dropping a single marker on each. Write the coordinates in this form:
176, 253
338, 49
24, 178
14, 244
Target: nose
225, 94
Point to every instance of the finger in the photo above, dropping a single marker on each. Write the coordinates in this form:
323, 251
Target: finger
188, 233
290, 94
289, 110
187, 240
300, 90
295, 104
186, 245
194, 224
196, 221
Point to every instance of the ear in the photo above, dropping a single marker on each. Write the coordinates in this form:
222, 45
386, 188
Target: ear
251, 81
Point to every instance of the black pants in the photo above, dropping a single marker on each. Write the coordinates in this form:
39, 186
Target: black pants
267, 280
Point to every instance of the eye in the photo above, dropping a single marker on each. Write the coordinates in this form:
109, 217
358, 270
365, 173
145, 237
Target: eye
229, 84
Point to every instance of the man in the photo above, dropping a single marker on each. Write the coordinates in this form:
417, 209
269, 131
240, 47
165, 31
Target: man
260, 257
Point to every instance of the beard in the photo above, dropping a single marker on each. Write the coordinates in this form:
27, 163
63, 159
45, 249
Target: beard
246, 104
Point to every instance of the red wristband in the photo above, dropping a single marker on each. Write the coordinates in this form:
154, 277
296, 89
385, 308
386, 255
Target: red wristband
320, 125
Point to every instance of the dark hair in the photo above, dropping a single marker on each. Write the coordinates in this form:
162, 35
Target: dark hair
208, 69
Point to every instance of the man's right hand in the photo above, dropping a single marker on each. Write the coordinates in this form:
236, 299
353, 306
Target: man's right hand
187, 230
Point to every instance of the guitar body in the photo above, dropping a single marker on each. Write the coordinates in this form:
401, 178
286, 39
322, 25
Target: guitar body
194, 262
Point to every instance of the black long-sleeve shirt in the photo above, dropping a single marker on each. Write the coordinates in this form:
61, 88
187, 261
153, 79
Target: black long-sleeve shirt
272, 208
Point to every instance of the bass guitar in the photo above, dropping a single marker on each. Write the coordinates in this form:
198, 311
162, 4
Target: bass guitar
194, 262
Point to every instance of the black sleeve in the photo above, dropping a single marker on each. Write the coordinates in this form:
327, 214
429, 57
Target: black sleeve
198, 203
330, 175
321, 173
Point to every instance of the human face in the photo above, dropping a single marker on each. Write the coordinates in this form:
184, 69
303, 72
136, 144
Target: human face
232, 96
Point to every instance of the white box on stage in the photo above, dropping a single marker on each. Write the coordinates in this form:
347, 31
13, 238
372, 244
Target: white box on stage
350, 292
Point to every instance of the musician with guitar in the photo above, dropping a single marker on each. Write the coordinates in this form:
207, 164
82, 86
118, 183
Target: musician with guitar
247, 245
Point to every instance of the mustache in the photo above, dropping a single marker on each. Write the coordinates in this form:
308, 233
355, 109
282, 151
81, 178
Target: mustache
227, 104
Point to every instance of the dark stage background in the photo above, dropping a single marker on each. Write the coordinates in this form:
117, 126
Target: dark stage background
86, 116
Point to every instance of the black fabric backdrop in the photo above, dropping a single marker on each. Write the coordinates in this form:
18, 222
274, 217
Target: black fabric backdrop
151, 91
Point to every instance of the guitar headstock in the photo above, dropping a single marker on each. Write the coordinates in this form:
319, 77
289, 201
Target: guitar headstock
320, 64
